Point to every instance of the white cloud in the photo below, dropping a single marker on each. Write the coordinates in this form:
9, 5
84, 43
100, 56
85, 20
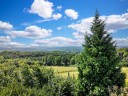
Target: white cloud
34, 45
59, 7
117, 22
71, 13
42, 7
59, 28
35, 22
58, 41
122, 42
78, 35
5, 42
26, 23
113, 23
16, 45
63, 41
55, 41
54, 17
32, 32
81, 27
5, 26
57, 16
4, 39
41, 21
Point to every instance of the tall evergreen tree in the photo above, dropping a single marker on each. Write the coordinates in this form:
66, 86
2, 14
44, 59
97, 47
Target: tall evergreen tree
98, 67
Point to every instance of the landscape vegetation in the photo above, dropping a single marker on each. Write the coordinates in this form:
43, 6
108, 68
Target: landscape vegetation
100, 69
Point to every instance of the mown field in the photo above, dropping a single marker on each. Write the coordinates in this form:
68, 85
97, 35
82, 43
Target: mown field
72, 71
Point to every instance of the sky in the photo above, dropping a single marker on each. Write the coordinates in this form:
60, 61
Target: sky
41, 23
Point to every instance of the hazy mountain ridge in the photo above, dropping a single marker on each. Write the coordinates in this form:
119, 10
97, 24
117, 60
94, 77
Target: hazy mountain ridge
68, 48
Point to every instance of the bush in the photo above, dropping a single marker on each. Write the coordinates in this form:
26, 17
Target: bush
33, 80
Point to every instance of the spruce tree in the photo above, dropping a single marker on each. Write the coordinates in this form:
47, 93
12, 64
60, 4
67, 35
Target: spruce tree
98, 67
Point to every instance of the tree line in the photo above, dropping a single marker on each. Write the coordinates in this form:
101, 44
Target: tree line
53, 58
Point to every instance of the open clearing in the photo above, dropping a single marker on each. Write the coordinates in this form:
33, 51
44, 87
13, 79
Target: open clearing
72, 71
65, 71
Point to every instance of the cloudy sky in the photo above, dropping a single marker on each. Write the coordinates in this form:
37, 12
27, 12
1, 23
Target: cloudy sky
38, 23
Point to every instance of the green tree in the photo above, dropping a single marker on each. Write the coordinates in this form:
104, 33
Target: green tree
98, 67
65, 60
72, 61
50, 60
57, 61
28, 80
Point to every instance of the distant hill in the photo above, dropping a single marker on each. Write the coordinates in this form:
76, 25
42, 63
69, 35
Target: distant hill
68, 48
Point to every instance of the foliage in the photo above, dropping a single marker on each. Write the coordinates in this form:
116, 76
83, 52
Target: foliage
18, 78
123, 54
52, 58
98, 66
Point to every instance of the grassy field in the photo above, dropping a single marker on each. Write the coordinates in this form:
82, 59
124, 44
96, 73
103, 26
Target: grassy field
125, 70
72, 71
65, 71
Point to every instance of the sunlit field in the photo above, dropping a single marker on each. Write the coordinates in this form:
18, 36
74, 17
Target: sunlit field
72, 71
125, 70
65, 71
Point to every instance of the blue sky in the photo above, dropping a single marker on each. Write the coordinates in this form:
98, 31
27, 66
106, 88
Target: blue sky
38, 23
